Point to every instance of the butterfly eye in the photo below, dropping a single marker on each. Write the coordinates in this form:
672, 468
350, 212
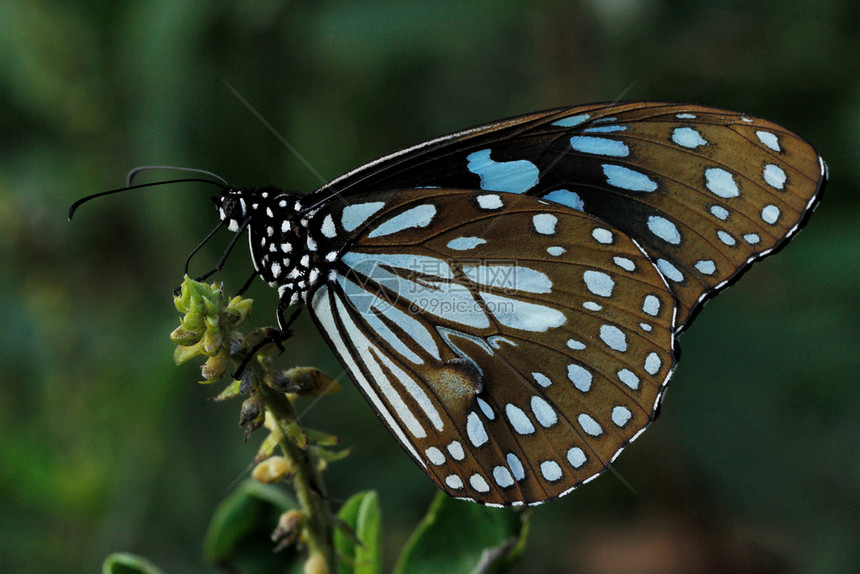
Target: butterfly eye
231, 207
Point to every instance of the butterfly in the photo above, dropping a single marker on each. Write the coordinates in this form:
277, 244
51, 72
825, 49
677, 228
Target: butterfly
508, 298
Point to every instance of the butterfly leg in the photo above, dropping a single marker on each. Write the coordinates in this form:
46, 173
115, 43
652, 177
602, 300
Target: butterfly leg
276, 336
227, 251
247, 283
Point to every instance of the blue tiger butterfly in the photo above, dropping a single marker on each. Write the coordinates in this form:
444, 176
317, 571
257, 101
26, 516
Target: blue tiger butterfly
508, 297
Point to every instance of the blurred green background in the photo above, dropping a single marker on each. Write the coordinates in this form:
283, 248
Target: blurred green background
105, 445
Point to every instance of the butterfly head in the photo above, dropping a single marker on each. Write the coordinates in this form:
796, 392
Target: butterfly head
278, 234
232, 207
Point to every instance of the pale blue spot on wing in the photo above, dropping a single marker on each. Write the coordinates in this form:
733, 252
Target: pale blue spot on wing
550, 470
465, 243
516, 466
688, 138
620, 415
669, 271
664, 229
774, 176
516, 176
613, 337
770, 214
580, 377
599, 146
522, 315
571, 121
589, 425
769, 139
542, 379
626, 178
719, 212
598, 283
651, 305
605, 129
721, 183
519, 420
475, 430
629, 378
356, 214
576, 457
545, 223
706, 267
509, 277
565, 197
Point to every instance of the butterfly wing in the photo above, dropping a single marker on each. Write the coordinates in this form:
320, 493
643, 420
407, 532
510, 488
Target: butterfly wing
510, 375
705, 192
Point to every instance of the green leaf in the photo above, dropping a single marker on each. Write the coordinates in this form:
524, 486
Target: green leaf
460, 536
358, 540
239, 534
124, 563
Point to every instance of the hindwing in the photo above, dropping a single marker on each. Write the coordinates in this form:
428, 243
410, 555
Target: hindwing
513, 346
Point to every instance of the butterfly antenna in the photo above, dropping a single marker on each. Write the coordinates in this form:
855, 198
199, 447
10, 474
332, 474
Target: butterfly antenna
83, 200
131, 175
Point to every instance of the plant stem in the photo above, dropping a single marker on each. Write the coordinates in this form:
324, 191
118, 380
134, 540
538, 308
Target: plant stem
307, 481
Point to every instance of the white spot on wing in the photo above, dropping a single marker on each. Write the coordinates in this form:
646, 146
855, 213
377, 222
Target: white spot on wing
502, 476
576, 457
454, 482
620, 415
769, 139
580, 377
435, 456
543, 412
669, 271
626, 178
522, 315
418, 216
465, 243
516, 466
550, 470
721, 183
664, 229
589, 425
456, 450
519, 420
490, 201
688, 138
598, 283
603, 236
774, 176
475, 430
613, 337
542, 379
545, 223
479, 483
328, 229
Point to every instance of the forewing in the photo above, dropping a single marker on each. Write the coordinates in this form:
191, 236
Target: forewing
704, 191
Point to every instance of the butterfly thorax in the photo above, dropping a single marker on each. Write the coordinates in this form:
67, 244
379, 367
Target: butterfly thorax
280, 246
